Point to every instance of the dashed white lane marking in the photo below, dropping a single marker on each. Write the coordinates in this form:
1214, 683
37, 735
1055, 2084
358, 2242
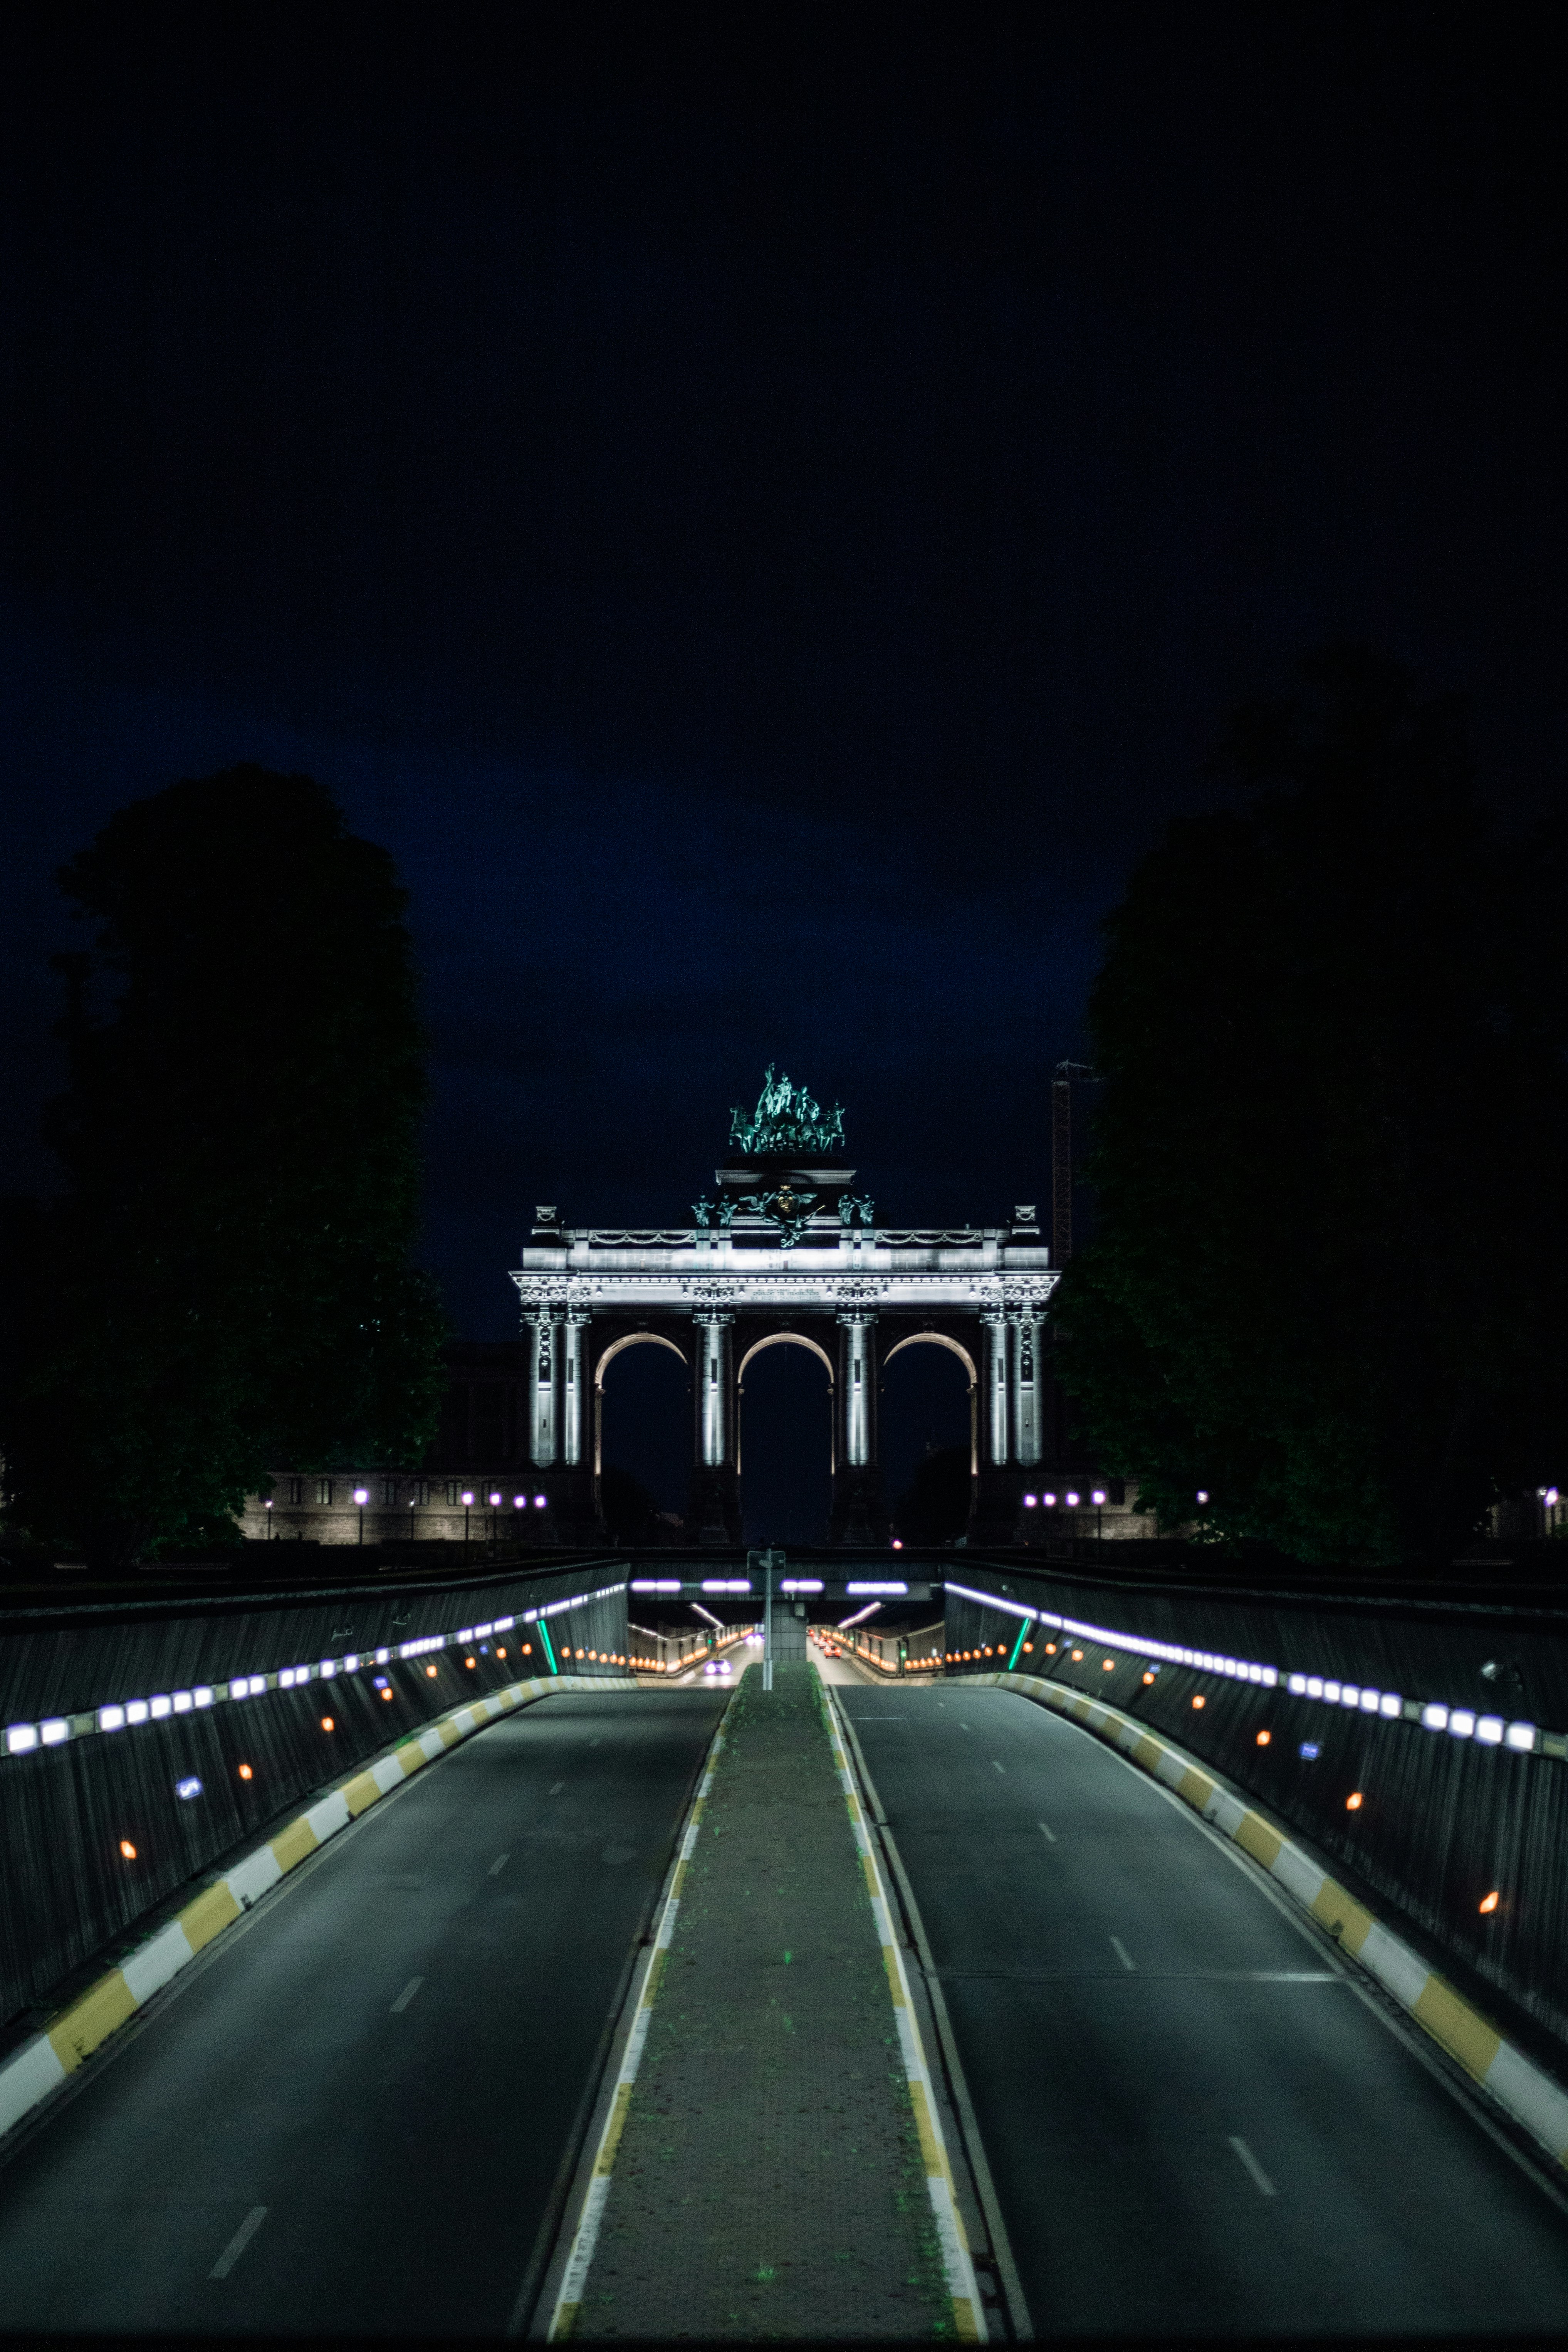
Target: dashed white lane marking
1050, 1835
1124, 1956
405, 1996
1260, 2179
239, 2242
557, 1789
597, 1743
997, 1768
962, 1724
499, 1865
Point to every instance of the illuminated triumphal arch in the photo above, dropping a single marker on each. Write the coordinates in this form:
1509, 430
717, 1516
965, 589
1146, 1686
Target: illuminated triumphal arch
785, 1250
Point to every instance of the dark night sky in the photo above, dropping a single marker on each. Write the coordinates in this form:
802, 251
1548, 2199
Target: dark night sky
762, 510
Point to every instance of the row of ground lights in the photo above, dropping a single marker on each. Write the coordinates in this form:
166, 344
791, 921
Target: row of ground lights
1309, 1749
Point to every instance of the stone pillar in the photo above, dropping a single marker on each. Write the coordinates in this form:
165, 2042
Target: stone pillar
859, 1516
994, 1445
715, 1497
856, 1445
574, 1400
1027, 1386
543, 1377
715, 1391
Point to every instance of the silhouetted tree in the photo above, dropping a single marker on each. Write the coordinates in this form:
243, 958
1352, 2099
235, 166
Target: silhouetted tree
1333, 1144
226, 1284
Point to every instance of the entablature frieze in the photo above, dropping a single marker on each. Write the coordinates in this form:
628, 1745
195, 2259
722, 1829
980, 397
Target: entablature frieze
801, 1291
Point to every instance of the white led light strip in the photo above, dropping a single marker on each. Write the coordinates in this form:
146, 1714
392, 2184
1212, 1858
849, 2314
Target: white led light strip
121, 1715
1460, 1722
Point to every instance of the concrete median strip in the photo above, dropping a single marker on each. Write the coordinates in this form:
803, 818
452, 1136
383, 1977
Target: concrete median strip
968, 2318
1521, 2087
44, 2062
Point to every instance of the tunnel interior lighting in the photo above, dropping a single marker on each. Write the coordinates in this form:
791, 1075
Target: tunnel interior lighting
1264, 1738
21, 1737
53, 1731
1200, 1700
1489, 1730
1309, 1751
127, 1849
800, 1584
1488, 1902
1353, 1802
245, 1773
328, 1724
1461, 1723
1522, 1737
188, 1789
856, 1591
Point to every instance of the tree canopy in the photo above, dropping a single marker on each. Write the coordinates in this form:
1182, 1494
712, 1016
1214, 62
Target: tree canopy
226, 1284
1332, 1144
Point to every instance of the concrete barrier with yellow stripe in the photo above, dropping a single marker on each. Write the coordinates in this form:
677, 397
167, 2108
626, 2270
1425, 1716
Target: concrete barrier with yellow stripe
1528, 2093
40, 2065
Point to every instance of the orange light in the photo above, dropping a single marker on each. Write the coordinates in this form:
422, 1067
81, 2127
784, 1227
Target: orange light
327, 1724
527, 1649
431, 1671
245, 1773
1027, 1647
1490, 1902
386, 1694
1077, 1656
1148, 1678
127, 1849
1106, 1664
1050, 1649
1200, 1700
501, 1653
1264, 1738
469, 1663
1352, 1802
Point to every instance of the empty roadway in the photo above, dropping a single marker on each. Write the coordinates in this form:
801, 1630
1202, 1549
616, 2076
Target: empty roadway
352, 2119
1195, 2123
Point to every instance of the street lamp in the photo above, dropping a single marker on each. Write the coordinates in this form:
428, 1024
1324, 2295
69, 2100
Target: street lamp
495, 1506
467, 1506
267, 1506
362, 1496
1097, 1498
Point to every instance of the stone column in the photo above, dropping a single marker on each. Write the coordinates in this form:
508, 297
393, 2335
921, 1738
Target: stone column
1027, 1384
859, 1516
715, 1513
994, 1447
714, 1386
856, 1390
543, 1326
575, 1401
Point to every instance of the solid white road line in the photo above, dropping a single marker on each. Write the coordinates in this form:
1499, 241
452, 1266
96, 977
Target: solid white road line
1124, 1956
1260, 2179
241, 2240
405, 1996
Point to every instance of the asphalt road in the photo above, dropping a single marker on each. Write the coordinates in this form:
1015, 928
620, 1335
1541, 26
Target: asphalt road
351, 2121
1195, 2123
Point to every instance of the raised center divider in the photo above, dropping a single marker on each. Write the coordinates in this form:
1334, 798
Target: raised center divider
767, 2173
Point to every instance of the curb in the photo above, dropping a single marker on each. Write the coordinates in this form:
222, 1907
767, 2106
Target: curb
42, 2065
1521, 2087
585, 2236
968, 2315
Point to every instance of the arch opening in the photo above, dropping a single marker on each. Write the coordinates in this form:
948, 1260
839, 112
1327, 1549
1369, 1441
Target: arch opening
785, 1440
642, 1438
928, 1427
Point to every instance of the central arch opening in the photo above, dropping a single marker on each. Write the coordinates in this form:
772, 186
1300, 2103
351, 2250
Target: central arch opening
786, 1442
644, 1406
